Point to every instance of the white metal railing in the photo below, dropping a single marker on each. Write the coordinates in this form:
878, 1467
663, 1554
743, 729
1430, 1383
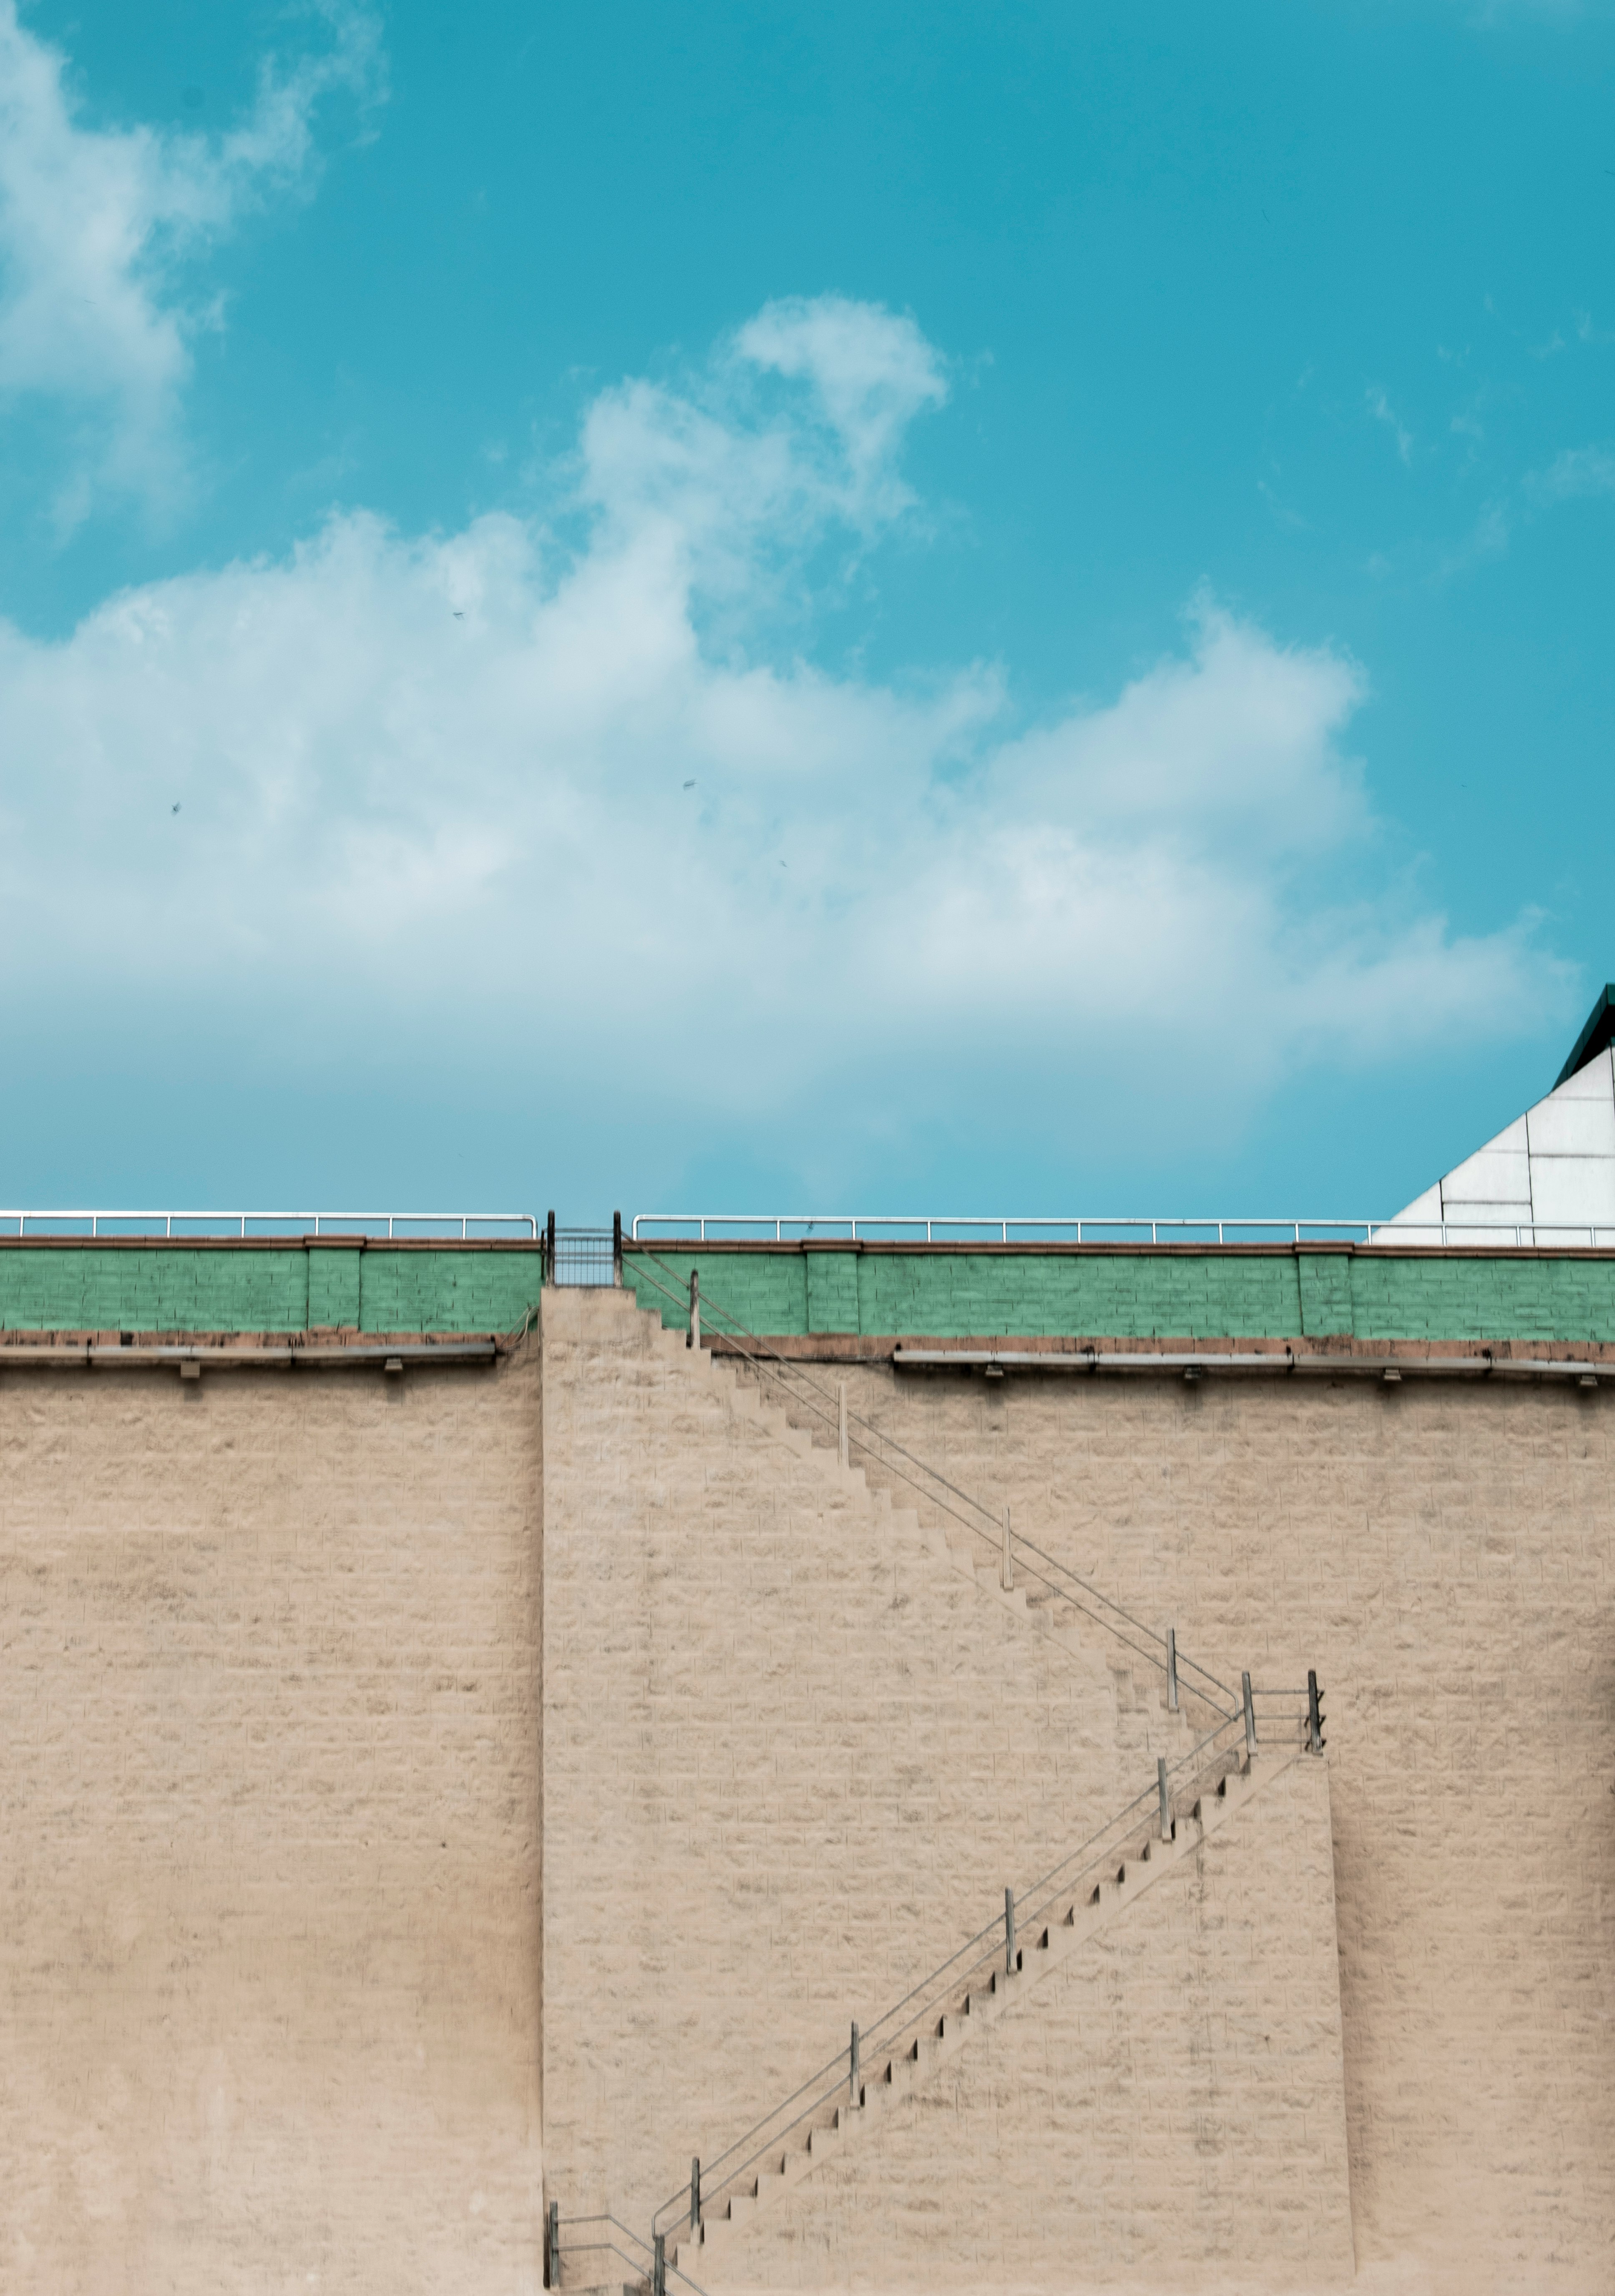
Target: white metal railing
443, 1227
702, 1227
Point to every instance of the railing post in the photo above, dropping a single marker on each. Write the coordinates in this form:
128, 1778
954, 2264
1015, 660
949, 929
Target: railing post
549, 1250
693, 1336
695, 2194
552, 2246
658, 2265
1314, 1719
1166, 1798
1244, 1682
1006, 1568
1171, 1669
617, 1249
840, 1409
1009, 1933
852, 2083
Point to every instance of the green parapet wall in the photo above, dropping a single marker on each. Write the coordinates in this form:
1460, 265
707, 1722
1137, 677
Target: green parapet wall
1131, 1291
292, 1286
792, 1291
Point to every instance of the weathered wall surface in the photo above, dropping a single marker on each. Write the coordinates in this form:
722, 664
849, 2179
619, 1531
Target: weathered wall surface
259, 1285
1445, 1556
1174, 1291
1166, 2106
792, 1758
269, 1810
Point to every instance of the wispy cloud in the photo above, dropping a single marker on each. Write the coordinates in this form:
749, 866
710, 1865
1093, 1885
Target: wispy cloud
1577, 470
1382, 410
419, 775
1487, 539
99, 228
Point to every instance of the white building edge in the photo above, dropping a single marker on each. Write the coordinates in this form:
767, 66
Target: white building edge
1548, 1177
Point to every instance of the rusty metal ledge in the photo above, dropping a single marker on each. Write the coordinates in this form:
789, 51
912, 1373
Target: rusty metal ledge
1287, 1361
266, 1355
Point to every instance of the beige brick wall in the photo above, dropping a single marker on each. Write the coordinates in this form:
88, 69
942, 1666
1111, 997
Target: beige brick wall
270, 1953
269, 1809
1445, 1555
1166, 2105
792, 1758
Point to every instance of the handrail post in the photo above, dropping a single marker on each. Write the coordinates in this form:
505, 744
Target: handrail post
658, 2265
617, 1250
1166, 1798
1171, 1669
1315, 1720
695, 2194
1244, 1682
549, 1250
840, 1409
1009, 1932
552, 2246
852, 2082
1006, 1567
693, 1336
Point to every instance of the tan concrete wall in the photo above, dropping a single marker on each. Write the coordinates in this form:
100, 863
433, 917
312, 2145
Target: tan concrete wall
1445, 1555
269, 1959
792, 1758
1166, 2106
269, 1817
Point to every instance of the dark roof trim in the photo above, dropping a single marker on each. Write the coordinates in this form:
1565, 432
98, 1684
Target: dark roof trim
1594, 1039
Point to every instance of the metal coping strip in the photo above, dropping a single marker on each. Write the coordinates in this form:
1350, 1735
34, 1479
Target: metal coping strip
1199, 1359
274, 1356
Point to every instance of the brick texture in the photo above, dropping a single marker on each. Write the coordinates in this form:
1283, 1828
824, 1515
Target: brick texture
283, 2001
792, 1757
1176, 1292
266, 1287
1168, 2106
268, 1977
1445, 1557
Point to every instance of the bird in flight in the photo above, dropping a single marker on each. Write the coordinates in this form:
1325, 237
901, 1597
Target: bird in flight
174, 808
689, 785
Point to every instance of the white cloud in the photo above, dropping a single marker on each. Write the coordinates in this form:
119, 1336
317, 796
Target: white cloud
439, 781
98, 223
1578, 471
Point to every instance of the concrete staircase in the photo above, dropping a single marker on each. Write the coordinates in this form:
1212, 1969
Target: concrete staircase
891, 2077
1145, 1727
1145, 1730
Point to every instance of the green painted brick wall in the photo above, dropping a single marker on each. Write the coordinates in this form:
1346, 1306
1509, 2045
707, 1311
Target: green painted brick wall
154, 1288
782, 1290
1492, 1298
1323, 1280
333, 1285
833, 1291
448, 1291
188, 1287
1138, 1295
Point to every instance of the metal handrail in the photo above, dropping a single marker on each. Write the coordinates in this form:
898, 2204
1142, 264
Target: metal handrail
720, 2174
643, 2264
974, 1514
201, 1226
954, 1976
797, 1228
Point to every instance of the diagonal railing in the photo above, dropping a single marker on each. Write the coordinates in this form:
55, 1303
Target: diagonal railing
1021, 1559
723, 2176
604, 2234
1026, 1911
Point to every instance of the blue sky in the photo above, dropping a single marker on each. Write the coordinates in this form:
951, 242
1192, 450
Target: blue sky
800, 607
